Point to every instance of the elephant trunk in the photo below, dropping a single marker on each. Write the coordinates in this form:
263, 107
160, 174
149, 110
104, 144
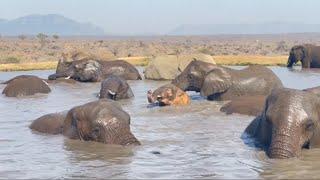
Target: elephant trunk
291, 61
129, 139
68, 73
284, 145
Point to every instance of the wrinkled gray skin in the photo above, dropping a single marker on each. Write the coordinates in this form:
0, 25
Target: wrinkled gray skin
115, 88
95, 70
222, 83
308, 54
101, 121
288, 123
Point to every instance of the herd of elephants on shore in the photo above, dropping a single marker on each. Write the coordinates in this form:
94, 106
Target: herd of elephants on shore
286, 120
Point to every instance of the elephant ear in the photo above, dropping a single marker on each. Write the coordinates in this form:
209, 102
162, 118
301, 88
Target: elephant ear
315, 139
217, 80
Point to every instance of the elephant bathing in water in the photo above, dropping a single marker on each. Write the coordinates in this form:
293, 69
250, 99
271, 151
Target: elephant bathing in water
308, 54
95, 70
115, 88
222, 83
101, 121
168, 94
25, 85
289, 122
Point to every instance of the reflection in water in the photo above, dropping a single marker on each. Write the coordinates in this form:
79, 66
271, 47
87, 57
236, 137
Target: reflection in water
195, 141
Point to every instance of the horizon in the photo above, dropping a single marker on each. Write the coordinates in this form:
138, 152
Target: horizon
138, 17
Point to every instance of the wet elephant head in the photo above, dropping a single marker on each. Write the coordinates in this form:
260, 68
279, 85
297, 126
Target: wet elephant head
290, 122
193, 76
82, 70
100, 121
297, 53
115, 88
168, 95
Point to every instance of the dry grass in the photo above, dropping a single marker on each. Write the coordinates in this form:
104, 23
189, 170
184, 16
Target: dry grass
29, 66
143, 61
137, 61
247, 60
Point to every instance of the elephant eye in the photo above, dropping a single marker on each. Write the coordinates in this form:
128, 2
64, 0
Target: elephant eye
309, 125
189, 76
96, 131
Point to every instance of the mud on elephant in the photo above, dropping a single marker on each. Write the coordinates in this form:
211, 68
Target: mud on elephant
101, 121
95, 70
222, 83
308, 54
290, 121
168, 94
115, 88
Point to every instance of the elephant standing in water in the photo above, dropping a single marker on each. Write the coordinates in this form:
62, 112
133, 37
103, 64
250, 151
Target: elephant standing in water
290, 121
115, 88
308, 54
222, 83
25, 85
95, 70
101, 121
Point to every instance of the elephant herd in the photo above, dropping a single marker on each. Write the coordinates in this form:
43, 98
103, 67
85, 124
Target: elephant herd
287, 120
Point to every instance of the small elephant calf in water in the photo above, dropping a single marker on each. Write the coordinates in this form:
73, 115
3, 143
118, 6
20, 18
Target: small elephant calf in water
168, 95
115, 88
101, 121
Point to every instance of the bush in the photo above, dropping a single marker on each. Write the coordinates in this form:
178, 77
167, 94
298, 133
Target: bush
10, 60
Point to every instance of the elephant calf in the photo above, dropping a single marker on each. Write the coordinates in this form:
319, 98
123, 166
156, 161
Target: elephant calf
289, 122
222, 83
115, 88
101, 121
25, 85
168, 95
308, 54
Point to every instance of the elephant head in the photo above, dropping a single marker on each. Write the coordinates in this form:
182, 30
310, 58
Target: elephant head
102, 121
168, 94
115, 88
297, 53
82, 70
290, 122
193, 76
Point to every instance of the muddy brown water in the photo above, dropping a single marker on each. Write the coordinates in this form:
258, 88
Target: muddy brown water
196, 141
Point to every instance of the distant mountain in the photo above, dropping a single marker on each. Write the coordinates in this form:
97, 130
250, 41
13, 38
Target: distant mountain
267, 28
48, 24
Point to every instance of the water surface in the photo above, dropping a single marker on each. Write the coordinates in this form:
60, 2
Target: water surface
196, 141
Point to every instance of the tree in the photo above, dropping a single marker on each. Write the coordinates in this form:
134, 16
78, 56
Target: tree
22, 37
42, 39
55, 36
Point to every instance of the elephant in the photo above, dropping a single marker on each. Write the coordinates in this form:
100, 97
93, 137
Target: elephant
223, 83
101, 121
25, 85
168, 94
308, 54
115, 88
95, 70
247, 105
289, 122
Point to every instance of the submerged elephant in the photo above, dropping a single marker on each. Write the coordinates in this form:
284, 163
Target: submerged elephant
308, 54
25, 85
222, 83
115, 88
101, 121
95, 70
168, 94
247, 105
290, 121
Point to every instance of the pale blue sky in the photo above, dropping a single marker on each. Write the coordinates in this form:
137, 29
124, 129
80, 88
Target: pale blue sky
161, 16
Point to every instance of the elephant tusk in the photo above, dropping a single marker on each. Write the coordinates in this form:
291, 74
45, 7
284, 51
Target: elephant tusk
45, 82
112, 93
68, 77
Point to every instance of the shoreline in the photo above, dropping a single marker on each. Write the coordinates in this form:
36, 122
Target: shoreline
230, 60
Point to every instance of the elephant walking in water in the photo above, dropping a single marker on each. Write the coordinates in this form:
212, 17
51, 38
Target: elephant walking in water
222, 83
308, 54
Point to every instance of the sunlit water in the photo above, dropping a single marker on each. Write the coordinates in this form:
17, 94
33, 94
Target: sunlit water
196, 141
